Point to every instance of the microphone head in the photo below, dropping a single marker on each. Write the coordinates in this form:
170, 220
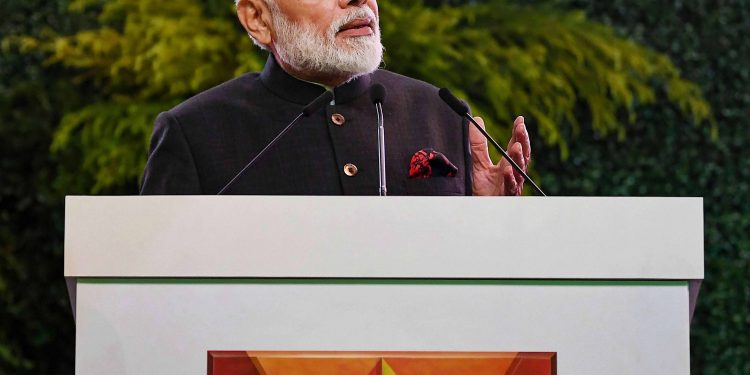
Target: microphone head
455, 103
377, 93
318, 103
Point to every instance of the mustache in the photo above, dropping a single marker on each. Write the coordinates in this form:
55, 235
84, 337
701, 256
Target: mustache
363, 12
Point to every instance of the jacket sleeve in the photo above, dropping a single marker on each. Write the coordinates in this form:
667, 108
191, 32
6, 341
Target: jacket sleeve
170, 169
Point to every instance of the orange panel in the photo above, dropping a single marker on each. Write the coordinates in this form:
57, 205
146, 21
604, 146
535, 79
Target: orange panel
450, 366
536, 363
381, 363
230, 363
306, 366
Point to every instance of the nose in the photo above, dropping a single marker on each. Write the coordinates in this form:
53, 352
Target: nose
346, 3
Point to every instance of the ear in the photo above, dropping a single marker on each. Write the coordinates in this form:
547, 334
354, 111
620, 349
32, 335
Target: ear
256, 19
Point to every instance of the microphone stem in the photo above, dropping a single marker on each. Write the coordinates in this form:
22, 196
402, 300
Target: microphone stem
263, 151
505, 155
383, 191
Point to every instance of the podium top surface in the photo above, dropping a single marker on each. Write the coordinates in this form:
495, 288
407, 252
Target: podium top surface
393, 237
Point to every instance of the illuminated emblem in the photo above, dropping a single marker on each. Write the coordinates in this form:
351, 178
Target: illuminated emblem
380, 363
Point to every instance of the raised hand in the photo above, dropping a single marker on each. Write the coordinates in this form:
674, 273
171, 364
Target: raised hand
489, 178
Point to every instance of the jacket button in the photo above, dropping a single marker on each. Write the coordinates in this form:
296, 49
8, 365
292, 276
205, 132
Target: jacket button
350, 169
338, 119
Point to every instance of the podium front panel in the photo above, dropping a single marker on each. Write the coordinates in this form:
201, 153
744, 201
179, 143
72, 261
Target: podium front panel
161, 326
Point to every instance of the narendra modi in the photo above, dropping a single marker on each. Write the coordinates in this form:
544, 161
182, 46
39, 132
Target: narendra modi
316, 46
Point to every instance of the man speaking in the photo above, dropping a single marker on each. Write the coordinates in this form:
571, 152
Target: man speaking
201, 145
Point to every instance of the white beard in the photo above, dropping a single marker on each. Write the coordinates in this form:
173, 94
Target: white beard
301, 46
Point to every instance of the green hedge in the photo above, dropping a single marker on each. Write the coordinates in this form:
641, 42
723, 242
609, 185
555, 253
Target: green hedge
662, 156
36, 327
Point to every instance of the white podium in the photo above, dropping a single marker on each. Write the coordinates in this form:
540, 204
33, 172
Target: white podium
606, 283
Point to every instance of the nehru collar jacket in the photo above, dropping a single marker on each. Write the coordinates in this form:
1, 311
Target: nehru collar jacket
201, 144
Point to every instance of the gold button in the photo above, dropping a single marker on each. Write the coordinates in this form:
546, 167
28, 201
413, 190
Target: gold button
350, 169
338, 119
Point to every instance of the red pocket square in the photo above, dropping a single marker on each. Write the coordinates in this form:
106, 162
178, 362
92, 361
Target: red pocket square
427, 163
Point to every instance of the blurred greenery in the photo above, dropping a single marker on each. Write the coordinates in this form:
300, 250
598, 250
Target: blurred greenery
623, 98
139, 61
664, 156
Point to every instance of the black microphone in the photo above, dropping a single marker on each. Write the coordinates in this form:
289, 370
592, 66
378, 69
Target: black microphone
311, 108
462, 109
457, 105
377, 95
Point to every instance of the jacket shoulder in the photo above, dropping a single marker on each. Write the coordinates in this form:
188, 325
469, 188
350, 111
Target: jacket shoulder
410, 92
403, 82
232, 93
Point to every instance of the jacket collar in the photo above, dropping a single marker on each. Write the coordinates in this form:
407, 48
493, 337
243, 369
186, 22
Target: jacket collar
289, 88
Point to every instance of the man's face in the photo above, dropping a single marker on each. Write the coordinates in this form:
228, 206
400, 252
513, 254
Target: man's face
320, 39
325, 13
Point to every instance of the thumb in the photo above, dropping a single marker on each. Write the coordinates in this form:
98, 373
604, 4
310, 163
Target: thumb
479, 151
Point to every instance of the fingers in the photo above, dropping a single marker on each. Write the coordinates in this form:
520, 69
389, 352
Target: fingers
479, 152
516, 153
522, 151
510, 187
521, 135
519, 150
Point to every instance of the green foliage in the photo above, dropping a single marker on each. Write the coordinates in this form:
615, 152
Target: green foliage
505, 59
109, 132
36, 327
141, 58
145, 50
663, 157
509, 60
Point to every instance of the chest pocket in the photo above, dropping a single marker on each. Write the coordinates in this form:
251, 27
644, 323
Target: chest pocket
435, 186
